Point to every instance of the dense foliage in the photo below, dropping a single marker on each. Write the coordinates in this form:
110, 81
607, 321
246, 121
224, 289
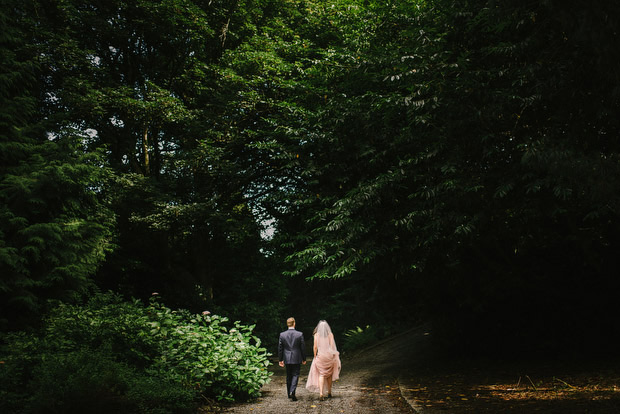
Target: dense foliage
396, 161
465, 152
54, 229
115, 356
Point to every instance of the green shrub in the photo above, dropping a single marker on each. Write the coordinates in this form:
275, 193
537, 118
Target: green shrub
154, 396
126, 357
106, 322
200, 351
93, 382
357, 338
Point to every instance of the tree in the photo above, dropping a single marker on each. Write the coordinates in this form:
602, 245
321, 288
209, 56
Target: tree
54, 230
457, 153
153, 84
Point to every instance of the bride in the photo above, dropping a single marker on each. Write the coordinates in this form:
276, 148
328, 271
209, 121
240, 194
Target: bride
326, 363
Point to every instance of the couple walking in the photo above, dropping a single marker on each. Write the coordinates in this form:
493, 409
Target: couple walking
325, 366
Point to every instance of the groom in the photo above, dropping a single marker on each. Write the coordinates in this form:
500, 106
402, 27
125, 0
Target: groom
292, 353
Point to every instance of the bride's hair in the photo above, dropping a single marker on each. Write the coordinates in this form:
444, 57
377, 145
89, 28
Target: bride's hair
322, 329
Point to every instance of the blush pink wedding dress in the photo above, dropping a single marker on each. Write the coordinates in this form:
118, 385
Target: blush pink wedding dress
326, 363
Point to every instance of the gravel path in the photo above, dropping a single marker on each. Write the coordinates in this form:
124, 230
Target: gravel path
368, 384
399, 375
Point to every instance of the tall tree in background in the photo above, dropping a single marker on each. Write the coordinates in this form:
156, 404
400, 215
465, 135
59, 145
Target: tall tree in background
54, 229
143, 82
470, 148
452, 160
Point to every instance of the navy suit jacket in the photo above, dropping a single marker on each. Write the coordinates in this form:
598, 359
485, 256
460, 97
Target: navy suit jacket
291, 347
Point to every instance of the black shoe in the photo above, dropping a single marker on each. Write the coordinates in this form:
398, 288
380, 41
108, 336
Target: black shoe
293, 397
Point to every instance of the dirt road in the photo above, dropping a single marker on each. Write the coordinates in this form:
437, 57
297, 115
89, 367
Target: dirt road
368, 384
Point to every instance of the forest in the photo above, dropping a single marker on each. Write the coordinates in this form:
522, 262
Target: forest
177, 177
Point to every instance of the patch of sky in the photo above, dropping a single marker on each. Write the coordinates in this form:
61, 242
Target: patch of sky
117, 122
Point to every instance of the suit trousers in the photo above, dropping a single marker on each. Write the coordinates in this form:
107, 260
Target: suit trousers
292, 378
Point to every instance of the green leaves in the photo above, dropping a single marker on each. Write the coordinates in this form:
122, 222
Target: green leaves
460, 146
380, 140
226, 362
55, 229
128, 342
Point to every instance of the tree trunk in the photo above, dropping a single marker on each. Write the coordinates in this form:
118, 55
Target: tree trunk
145, 149
224, 30
156, 158
203, 266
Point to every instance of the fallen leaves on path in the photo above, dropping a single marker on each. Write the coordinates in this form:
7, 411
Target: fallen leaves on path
484, 390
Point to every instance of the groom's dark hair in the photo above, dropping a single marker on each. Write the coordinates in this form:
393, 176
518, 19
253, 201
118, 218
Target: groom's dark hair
290, 322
